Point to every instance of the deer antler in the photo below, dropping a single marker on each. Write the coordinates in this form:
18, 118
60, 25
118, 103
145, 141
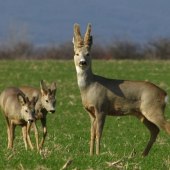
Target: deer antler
78, 38
88, 37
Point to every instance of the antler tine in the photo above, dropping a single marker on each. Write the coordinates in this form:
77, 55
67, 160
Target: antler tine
78, 37
88, 37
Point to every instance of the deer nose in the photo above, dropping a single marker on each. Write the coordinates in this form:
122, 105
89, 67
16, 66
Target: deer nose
52, 111
83, 63
30, 120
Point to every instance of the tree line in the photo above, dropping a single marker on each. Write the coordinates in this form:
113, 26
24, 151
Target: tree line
155, 49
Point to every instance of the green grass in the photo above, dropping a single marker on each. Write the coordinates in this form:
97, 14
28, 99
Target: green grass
69, 128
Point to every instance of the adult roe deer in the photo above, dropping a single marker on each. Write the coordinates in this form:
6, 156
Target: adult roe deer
46, 103
102, 96
17, 110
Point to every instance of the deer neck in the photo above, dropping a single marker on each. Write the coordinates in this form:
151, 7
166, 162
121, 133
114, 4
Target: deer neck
84, 77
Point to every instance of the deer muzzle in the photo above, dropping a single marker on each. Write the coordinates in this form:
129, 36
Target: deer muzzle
52, 111
82, 63
30, 121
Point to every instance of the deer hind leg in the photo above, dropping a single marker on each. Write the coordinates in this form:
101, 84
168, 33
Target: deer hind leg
43, 122
166, 127
154, 130
162, 122
28, 135
158, 118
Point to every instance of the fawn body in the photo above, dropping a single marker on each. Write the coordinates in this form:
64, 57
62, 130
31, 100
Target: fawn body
46, 103
17, 110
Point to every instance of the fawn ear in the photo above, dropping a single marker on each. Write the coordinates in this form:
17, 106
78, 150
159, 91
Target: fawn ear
21, 99
53, 88
34, 100
44, 89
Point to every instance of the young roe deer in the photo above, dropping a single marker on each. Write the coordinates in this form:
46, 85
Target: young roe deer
102, 96
17, 110
46, 103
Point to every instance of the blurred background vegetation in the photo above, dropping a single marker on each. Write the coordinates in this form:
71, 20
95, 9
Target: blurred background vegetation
18, 47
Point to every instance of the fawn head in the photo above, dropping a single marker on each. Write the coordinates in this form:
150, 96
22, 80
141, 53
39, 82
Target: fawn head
82, 48
27, 108
48, 99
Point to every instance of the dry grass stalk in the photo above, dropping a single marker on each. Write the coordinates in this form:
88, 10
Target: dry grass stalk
22, 166
132, 154
41, 168
67, 164
118, 164
10, 156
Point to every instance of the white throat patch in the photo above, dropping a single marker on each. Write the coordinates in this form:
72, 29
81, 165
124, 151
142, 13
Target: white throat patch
80, 71
80, 77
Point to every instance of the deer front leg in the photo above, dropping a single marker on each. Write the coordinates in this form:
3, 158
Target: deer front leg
93, 134
43, 121
24, 132
36, 134
12, 129
100, 116
8, 131
28, 135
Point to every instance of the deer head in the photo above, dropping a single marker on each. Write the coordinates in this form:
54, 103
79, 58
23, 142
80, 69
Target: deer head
27, 108
48, 96
82, 48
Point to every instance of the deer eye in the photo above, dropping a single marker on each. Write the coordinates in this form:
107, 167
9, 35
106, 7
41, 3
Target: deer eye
87, 54
77, 54
46, 101
26, 110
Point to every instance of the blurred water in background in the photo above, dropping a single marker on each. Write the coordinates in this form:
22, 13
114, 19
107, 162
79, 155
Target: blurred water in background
43, 22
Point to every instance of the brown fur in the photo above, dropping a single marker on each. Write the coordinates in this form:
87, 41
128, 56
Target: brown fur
17, 110
41, 108
102, 96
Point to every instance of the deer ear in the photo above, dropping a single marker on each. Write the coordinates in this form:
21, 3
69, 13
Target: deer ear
53, 88
44, 89
34, 100
21, 99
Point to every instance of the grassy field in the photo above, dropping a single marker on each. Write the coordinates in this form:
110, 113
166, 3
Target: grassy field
69, 128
